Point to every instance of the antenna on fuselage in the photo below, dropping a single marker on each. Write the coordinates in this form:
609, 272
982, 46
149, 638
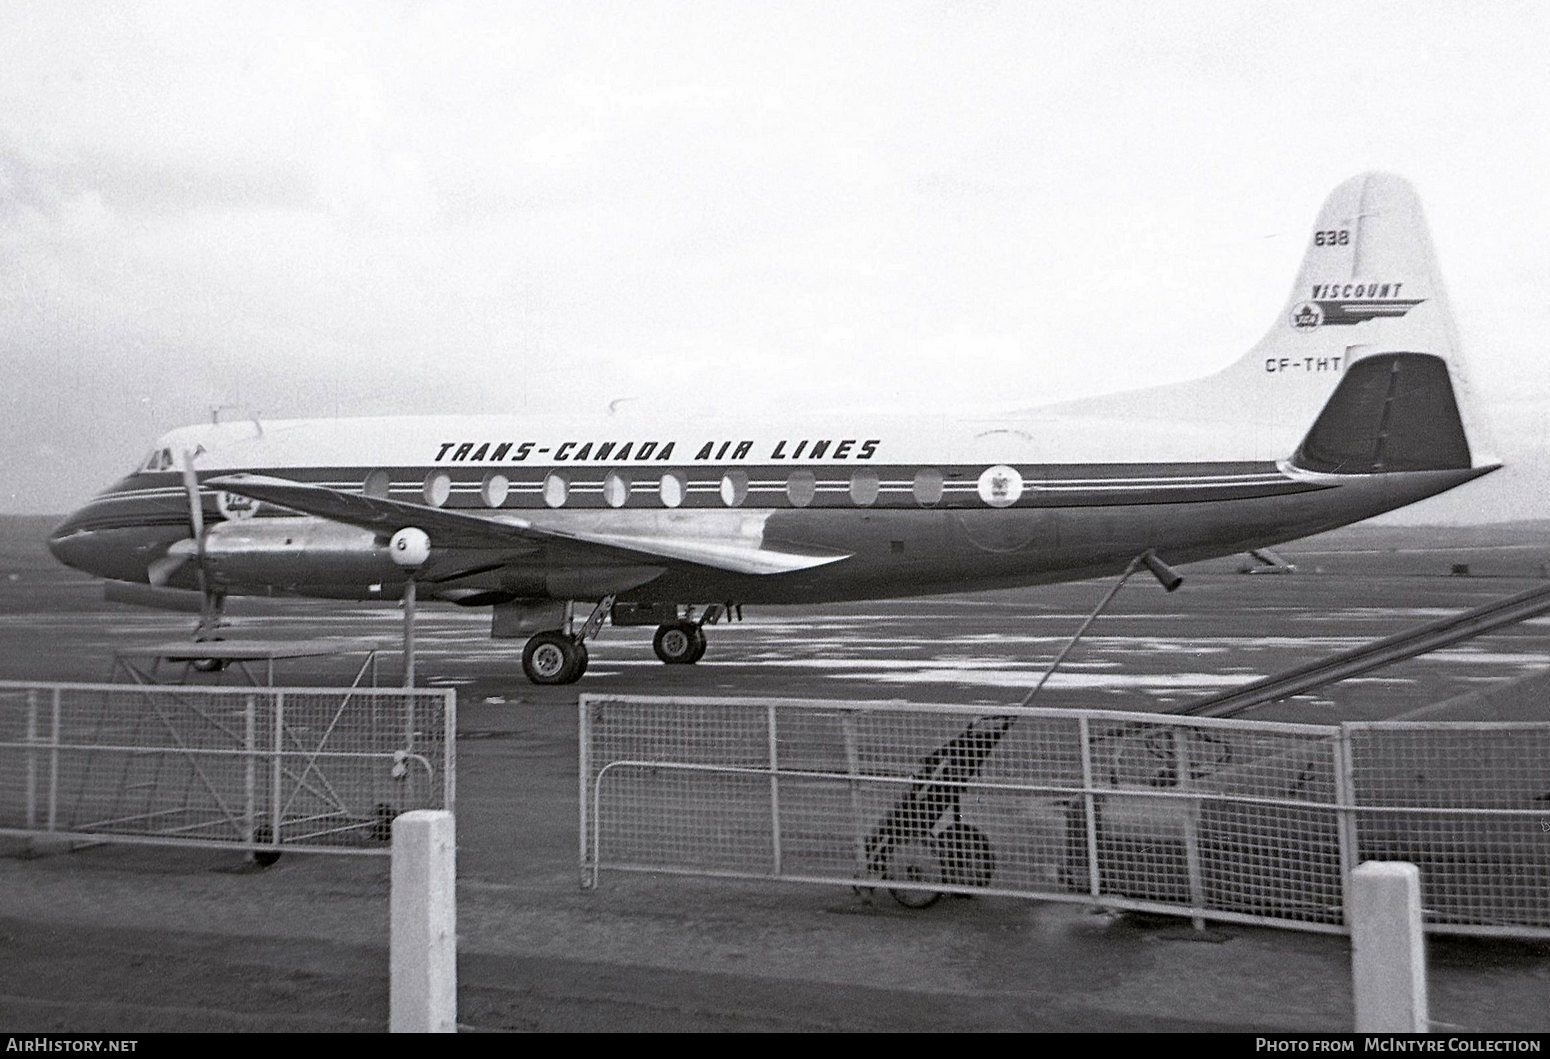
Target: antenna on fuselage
217, 409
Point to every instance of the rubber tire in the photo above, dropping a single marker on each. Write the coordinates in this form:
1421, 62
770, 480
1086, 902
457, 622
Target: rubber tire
209, 665
915, 860
966, 855
560, 660
675, 643
699, 645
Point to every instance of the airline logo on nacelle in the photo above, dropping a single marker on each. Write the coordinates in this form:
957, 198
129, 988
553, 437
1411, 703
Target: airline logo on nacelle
236, 506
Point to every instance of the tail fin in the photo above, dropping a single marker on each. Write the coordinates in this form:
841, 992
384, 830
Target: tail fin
1369, 287
1368, 280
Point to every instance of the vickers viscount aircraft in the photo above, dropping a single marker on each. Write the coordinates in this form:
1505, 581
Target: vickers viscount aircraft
1353, 404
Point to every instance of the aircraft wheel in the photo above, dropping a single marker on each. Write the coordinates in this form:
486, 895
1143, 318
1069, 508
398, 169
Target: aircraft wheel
553, 658
679, 643
208, 665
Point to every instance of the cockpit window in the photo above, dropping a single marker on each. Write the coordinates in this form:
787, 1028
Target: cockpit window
160, 460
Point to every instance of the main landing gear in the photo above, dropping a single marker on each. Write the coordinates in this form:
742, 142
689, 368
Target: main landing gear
554, 658
679, 643
682, 642
559, 656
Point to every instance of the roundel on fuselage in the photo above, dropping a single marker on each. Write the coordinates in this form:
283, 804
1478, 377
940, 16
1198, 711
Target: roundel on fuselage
1000, 486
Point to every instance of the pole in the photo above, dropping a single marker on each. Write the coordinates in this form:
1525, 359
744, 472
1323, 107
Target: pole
409, 594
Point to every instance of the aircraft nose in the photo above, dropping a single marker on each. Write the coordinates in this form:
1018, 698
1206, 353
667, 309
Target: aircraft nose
69, 543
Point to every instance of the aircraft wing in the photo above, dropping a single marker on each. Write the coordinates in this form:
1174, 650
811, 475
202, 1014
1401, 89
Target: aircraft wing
455, 529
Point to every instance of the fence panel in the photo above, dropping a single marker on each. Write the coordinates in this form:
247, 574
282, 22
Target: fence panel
1469, 804
1229, 820
320, 769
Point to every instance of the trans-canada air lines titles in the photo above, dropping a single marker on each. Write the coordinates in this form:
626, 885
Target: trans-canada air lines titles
643, 451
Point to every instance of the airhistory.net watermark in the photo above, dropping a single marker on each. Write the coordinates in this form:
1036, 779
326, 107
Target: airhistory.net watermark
68, 1044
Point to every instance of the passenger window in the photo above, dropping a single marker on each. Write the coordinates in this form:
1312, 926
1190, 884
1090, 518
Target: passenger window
864, 487
928, 487
556, 490
377, 484
438, 487
495, 489
801, 487
616, 491
671, 489
734, 488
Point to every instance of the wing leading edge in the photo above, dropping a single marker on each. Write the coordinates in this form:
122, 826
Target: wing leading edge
454, 529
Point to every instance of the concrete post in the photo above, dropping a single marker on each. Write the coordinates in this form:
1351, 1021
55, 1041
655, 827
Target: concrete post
1388, 949
423, 906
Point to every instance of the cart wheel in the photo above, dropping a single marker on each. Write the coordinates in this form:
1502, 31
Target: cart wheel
967, 858
914, 861
264, 857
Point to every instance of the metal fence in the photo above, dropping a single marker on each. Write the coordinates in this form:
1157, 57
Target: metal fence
266, 769
1214, 819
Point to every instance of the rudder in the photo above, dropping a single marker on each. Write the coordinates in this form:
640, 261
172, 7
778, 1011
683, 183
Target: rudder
1392, 412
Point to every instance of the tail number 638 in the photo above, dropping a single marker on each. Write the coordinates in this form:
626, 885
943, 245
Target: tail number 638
1333, 237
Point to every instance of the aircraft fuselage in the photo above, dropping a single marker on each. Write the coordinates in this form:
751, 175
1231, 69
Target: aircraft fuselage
1067, 522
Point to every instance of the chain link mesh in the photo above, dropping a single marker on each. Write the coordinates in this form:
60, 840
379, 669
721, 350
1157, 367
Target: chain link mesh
318, 769
1235, 820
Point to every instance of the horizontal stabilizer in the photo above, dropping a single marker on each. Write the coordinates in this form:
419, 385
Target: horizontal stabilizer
455, 529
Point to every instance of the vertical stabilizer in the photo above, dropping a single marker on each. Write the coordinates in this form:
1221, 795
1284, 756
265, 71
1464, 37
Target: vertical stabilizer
1368, 286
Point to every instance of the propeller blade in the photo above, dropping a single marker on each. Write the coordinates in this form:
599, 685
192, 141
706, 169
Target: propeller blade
161, 571
210, 613
196, 511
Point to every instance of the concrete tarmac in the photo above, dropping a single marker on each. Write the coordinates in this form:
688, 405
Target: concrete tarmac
125, 939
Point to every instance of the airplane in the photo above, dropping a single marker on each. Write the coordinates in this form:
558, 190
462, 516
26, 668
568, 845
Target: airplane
1354, 403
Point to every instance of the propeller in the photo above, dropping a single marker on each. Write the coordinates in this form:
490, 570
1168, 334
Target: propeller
193, 548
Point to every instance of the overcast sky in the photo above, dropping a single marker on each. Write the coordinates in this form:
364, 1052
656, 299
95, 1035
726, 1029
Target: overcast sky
315, 209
